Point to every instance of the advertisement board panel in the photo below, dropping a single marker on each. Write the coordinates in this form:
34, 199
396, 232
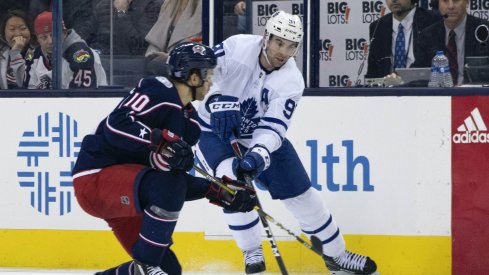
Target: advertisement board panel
381, 170
470, 176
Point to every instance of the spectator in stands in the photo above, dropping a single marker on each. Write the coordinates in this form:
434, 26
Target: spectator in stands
240, 11
179, 21
395, 37
77, 14
234, 18
454, 35
132, 20
15, 47
434, 5
81, 67
234, 21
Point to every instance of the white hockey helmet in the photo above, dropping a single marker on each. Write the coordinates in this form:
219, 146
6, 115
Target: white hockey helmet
284, 25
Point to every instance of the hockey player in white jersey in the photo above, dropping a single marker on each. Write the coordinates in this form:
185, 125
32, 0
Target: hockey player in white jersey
256, 88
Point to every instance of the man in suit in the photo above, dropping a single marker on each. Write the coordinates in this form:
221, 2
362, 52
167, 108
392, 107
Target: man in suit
455, 35
388, 42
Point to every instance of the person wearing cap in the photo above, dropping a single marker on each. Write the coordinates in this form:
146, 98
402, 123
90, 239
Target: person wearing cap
81, 66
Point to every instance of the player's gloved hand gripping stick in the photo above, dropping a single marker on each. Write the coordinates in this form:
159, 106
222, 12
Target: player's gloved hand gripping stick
255, 161
248, 168
232, 195
316, 246
172, 149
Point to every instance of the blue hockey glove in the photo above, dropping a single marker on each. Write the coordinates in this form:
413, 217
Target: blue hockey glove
244, 200
225, 116
171, 152
255, 161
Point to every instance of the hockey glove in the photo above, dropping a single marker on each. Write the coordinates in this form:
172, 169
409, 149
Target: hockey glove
169, 147
244, 200
255, 161
225, 116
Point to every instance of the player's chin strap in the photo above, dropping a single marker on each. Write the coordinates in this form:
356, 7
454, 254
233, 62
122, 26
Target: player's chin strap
264, 51
194, 88
194, 92
264, 48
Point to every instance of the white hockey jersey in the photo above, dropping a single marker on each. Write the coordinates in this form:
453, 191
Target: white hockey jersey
268, 99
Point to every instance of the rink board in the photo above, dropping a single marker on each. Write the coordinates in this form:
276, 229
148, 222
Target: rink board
382, 164
99, 250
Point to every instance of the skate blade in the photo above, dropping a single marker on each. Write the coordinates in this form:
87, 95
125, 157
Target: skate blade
348, 273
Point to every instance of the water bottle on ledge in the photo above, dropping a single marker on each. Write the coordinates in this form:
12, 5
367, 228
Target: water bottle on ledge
440, 71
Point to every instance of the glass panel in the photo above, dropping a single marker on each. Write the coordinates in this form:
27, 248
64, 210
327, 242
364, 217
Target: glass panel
234, 18
119, 36
134, 37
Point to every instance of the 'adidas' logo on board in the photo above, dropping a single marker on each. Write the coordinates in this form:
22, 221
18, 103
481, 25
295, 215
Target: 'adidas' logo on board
473, 130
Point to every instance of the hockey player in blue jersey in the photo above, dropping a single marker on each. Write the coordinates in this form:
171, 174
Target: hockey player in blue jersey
256, 88
132, 172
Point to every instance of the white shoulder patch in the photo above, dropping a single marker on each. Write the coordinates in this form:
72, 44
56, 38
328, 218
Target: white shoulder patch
165, 81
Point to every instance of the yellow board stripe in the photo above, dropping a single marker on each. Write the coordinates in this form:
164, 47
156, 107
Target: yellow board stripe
66, 249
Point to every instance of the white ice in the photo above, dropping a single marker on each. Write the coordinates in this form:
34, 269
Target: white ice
22, 271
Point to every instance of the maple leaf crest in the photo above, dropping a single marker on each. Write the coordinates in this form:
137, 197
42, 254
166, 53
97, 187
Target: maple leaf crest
249, 109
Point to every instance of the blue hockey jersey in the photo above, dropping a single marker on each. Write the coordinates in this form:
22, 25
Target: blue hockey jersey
124, 135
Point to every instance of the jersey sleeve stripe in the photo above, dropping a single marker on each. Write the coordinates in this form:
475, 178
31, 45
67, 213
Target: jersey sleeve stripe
195, 122
220, 53
219, 50
124, 133
276, 121
165, 104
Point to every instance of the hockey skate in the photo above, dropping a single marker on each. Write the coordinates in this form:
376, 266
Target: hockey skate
254, 261
144, 269
350, 263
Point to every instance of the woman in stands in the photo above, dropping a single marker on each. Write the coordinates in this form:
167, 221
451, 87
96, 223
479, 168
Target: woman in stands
15, 47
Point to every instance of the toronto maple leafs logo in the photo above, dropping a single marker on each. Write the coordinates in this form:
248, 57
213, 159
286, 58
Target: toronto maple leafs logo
249, 109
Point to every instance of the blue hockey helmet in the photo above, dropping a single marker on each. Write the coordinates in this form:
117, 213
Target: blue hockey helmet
189, 56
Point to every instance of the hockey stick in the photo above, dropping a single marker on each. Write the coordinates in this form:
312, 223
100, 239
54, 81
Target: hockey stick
316, 246
263, 218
